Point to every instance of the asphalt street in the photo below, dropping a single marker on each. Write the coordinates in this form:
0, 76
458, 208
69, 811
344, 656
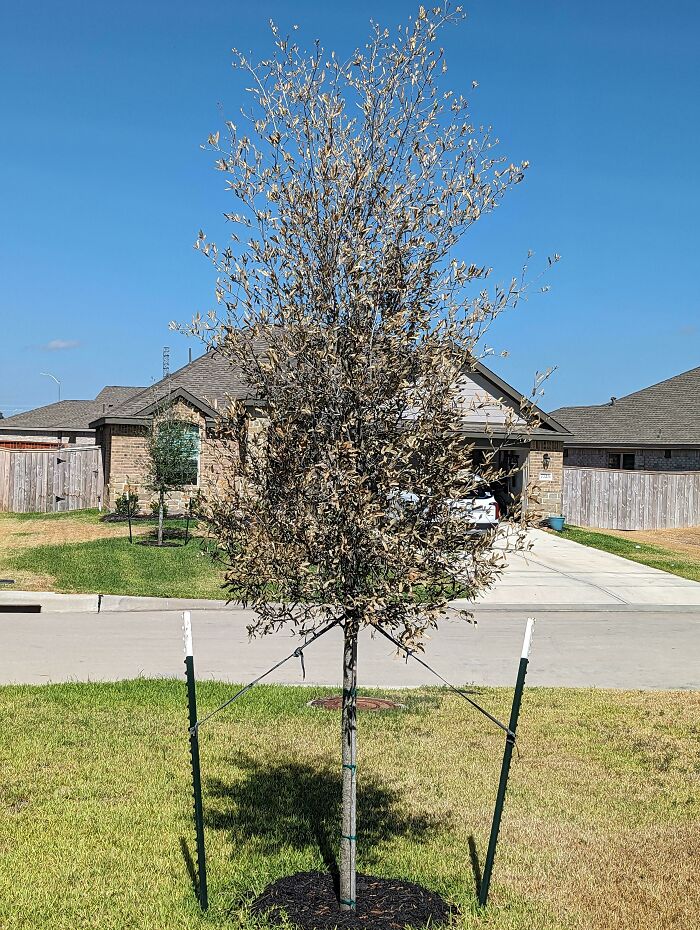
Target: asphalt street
598, 647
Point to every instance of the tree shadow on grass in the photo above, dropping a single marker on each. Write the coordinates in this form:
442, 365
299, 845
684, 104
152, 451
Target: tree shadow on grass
288, 803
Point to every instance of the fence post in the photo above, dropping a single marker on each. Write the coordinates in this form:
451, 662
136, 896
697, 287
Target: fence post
196, 774
505, 766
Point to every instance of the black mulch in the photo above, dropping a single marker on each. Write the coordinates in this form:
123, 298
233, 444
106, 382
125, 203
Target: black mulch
142, 518
309, 901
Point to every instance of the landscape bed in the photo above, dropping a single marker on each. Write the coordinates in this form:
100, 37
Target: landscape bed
600, 829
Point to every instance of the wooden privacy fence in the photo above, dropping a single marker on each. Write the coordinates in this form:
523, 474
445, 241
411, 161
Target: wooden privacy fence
631, 500
50, 481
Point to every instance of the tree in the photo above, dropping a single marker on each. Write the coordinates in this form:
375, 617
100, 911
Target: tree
353, 324
172, 457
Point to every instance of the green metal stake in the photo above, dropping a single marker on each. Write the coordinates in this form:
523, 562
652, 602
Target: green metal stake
196, 774
505, 767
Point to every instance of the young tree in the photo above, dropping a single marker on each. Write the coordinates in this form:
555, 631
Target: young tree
353, 324
172, 458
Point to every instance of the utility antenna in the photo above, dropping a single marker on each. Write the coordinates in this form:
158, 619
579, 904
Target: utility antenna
166, 361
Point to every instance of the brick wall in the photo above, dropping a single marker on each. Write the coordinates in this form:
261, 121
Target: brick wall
544, 495
680, 460
587, 458
125, 454
644, 459
126, 462
50, 438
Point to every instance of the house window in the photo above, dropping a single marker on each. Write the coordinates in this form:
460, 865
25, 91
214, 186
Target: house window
184, 467
192, 449
566, 453
613, 459
667, 453
628, 461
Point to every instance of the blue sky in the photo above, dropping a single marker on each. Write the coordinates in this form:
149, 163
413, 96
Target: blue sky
103, 185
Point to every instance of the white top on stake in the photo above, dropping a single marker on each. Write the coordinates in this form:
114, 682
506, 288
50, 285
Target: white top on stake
528, 637
187, 632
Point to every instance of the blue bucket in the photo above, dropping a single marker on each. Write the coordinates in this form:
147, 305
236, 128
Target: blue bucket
557, 523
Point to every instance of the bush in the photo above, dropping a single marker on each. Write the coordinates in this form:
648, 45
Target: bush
127, 505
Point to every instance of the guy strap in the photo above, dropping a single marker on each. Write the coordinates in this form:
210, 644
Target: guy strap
297, 654
411, 652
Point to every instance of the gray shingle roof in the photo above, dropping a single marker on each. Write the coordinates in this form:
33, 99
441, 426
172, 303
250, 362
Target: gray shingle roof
667, 413
115, 394
69, 415
211, 378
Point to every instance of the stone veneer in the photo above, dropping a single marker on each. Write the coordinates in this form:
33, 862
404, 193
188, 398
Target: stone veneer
544, 497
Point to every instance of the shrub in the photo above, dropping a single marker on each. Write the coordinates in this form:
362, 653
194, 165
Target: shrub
127, 505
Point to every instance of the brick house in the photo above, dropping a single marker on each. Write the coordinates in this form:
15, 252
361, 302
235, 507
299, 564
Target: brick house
65, 423
202, 388
655, 429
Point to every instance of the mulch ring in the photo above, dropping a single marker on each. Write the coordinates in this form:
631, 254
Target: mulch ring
335, 702
142, 518
309, 901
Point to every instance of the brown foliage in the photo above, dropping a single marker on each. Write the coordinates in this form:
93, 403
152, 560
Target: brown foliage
354, 327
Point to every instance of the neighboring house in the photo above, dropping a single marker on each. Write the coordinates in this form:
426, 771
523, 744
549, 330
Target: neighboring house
655, 429
64, 423
200, 391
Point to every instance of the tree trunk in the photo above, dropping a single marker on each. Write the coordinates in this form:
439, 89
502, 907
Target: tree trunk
349, 755
161, 506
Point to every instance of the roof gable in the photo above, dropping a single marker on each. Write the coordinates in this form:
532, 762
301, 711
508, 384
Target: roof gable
179, 393
501, 390
210, 381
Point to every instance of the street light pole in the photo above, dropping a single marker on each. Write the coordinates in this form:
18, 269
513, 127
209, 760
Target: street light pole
47, 374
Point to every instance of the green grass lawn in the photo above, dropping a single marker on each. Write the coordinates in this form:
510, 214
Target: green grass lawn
113, 565
600, 828
116, 566
655, 556
73, 561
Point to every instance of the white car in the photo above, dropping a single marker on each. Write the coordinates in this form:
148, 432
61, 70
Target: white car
479, 508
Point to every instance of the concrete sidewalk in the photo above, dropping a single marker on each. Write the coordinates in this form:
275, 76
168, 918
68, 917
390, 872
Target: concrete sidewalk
49, 602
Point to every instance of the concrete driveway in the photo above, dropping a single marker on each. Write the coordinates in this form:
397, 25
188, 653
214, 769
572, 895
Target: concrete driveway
560, 573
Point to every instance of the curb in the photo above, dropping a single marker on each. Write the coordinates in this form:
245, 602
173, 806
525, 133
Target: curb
114, 602
48, 602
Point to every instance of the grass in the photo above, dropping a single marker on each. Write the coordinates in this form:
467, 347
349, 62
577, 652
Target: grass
600, 829
73, 516
684, 562
115, 566
77, 553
